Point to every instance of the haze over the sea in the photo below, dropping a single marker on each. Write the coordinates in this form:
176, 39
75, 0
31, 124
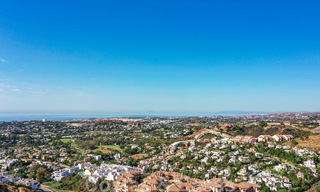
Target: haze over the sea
12, 116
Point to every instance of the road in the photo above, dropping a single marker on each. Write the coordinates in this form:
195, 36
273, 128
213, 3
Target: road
46, 189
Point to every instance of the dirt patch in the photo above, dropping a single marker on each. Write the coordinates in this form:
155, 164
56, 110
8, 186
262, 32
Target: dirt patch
316, 130
9, 188
105, 150
313, 142
193, 124
139, 156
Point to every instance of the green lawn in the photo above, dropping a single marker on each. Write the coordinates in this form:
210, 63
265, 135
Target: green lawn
102, 148
54, 184
67, 140
114, 147
48, 133
73, 144
88, 132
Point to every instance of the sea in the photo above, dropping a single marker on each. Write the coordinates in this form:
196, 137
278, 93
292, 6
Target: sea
15, 116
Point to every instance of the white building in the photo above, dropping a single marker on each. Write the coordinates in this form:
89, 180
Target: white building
310, 164
280, 167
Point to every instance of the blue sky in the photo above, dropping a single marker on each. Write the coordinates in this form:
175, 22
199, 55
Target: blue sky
160, 56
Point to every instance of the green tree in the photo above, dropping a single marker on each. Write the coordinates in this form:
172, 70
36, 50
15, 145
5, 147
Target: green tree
294, 142
263, 124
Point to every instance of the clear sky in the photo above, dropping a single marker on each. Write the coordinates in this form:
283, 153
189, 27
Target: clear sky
160, 56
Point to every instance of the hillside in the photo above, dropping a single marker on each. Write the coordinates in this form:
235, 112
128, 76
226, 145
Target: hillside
9, 188
315, 188
255, 131
312, 142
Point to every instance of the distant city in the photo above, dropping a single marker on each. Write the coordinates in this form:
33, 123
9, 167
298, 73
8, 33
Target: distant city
14, 116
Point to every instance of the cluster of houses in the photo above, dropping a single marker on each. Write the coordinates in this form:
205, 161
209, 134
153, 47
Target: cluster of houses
261, 138
66, 172
7, 163
265, 138
203, 150
2, 153
42, 152
212, 150
176, 182
311, 165
271, 180
243, 139
5, 178
109, 171
202, 132
20, 181
128, 181
53, 165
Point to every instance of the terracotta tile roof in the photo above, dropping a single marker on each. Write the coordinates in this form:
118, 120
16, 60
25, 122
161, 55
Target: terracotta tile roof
245, 185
